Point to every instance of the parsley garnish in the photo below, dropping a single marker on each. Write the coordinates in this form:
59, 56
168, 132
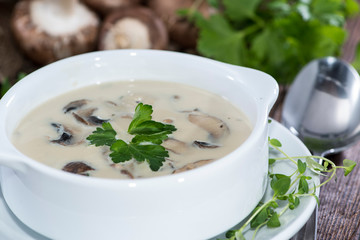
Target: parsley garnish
144, 146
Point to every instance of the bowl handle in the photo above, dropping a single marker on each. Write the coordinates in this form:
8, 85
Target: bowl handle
264, 87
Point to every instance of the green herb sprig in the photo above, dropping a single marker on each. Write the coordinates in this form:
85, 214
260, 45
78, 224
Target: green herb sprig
278, 37
144, 146
289, 189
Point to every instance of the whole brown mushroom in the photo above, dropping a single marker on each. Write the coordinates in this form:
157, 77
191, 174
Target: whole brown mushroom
133, 27
49, 30
181, 31
106, 6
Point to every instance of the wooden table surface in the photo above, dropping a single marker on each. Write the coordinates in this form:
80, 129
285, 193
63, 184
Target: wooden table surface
339, 210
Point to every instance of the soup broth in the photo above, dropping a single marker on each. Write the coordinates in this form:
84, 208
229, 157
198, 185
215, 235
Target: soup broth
208, 128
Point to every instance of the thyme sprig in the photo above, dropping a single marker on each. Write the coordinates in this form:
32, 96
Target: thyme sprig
289, 189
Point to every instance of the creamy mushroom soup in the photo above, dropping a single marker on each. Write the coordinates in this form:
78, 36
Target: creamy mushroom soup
208, 128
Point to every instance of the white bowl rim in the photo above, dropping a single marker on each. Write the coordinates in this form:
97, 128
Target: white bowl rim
258, 127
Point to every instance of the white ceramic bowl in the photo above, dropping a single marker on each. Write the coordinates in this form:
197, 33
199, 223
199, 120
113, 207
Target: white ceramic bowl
196, 204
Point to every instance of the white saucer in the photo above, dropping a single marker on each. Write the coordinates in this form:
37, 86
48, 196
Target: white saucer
291, 222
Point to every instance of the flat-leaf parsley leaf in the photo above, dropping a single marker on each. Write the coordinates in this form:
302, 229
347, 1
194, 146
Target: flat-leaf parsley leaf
144, 146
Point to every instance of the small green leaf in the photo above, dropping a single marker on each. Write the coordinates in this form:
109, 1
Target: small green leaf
271, 161
120, 152
151, 127
326, 164
303, 185
142, 114
157, 138
293, 202
154, 154
275, 142
349, 166
273, 204
301, 166
297, 201
274, 221
230, 234
280, 184
260, 218
316, 198
311, 163
283, 198
103, 136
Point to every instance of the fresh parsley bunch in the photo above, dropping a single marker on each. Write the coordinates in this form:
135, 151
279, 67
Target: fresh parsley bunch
144, 146
276, 36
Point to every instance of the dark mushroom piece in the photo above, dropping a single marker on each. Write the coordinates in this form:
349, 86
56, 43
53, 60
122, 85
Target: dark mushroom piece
201, 144
215, 126
78, 167
133, 27
85, 117
193, 165
74, 105
94, 120
65, 135
51, 30
127, 173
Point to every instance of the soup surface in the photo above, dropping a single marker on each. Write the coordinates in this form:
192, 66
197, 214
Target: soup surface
208, 128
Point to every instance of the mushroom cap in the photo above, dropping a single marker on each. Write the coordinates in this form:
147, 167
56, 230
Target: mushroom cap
156, 28
216, 127
44, 48
106, 6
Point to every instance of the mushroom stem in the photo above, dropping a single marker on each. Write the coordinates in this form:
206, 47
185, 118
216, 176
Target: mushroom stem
48, 30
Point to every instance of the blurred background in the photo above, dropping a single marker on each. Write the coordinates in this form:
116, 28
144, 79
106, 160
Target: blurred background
275, 36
